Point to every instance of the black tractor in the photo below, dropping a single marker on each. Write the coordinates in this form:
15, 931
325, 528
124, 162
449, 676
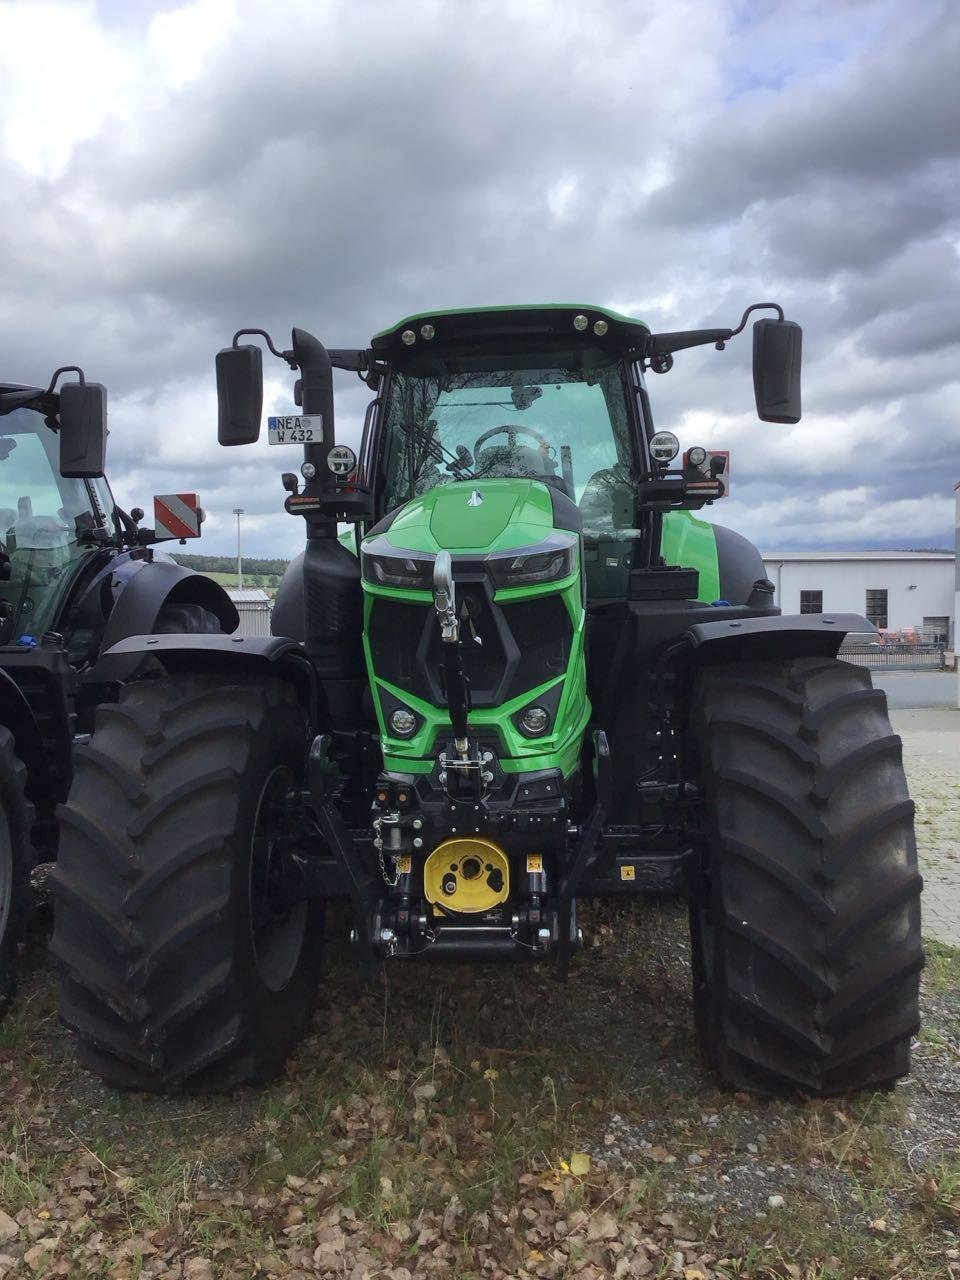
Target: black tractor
77, 574
525, 675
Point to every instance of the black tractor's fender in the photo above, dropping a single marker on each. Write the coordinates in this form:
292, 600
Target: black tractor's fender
772, 637
144, 592
229, 655
17, 715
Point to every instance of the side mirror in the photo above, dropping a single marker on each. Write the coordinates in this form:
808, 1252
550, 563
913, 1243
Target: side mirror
777, 346
83, 430
239, 394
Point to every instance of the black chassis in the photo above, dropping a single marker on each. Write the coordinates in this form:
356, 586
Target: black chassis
628, 838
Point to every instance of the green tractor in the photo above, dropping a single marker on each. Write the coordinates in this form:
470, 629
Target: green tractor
526, 674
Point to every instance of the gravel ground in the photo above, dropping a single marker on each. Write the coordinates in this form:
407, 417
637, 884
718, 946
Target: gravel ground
931, 754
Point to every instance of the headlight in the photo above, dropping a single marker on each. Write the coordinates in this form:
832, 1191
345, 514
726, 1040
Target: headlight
403, 723
398, 571
534, 721
531, 567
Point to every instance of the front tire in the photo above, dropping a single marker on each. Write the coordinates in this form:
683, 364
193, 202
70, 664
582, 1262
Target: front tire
178, 975
16, 861
806, 928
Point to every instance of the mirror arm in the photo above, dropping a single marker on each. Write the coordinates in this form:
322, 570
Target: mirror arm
262, 333
659, 344
351, 359
756, 306
67, 368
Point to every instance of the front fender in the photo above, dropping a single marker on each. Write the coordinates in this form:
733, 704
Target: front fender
773, 638
144, 594
229, 655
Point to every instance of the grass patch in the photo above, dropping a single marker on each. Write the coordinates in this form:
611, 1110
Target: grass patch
431, 1121
943, 967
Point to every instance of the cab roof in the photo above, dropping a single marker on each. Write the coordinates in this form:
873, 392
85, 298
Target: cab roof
520, 324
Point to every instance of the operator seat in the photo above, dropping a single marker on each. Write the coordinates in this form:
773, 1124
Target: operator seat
521, 460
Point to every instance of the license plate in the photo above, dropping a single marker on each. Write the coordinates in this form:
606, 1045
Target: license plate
296, 429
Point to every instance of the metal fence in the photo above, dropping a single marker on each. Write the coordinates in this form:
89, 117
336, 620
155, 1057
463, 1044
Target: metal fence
903, 657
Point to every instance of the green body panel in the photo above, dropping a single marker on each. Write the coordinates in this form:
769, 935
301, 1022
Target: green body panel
408, 322
692, 543
514, 513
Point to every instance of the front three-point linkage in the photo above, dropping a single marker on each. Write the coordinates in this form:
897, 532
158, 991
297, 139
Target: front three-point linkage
461, 771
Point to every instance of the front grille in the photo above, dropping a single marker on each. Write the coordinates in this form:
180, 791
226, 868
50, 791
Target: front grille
396, 632
484, 663
543, 633
522, 644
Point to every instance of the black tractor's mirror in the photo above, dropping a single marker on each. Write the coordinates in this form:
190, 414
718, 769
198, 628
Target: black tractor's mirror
239, 394
83, 429
777, 346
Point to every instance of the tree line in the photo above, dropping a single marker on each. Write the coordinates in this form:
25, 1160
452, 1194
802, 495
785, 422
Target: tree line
252, 565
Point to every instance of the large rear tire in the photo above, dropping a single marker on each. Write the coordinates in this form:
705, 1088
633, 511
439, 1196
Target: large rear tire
16, 861
178, 973
806, 928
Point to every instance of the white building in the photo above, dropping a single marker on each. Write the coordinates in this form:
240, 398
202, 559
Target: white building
253, 606
896, 590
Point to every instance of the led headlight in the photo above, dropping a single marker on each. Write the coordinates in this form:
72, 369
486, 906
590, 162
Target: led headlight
530, 567
398, 571
697, 456
664, 446
403, 723
534, 721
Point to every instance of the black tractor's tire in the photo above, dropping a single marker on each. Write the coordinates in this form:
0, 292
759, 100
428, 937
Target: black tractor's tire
162, 979
186, 619
16, 862
806, 926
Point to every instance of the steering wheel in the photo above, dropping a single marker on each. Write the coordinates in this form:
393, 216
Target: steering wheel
512, 430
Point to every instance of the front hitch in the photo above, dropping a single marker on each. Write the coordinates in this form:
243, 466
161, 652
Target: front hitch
457, 685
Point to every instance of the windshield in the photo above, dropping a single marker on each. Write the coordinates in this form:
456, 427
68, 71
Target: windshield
42, 518
565, 424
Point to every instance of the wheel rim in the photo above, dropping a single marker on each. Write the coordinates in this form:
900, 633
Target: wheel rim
277, 930
6, 872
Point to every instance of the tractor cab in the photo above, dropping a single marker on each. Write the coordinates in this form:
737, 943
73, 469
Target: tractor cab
55, 504
59, 522
466, 404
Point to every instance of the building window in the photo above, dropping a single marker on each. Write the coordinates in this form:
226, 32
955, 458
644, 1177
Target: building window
877, 608
936, 630
811, 602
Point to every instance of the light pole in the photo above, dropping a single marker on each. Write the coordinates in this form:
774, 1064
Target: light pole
238, 512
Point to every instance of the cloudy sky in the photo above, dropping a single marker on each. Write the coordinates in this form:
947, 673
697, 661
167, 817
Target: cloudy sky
170, 173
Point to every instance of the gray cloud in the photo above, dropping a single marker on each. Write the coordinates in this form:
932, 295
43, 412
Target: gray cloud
338, 166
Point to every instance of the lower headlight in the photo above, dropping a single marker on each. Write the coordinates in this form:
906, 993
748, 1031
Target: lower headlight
534, 720
403, 723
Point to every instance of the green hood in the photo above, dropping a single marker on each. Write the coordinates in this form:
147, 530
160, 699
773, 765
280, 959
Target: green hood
510, 513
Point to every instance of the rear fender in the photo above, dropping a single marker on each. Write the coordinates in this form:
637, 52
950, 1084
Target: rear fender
228, 656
